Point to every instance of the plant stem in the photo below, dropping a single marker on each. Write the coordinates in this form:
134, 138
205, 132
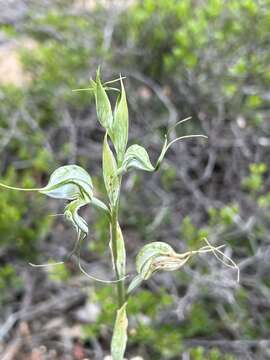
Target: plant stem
120, 284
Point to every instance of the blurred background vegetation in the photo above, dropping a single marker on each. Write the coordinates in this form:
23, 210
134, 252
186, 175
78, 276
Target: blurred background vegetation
205, 59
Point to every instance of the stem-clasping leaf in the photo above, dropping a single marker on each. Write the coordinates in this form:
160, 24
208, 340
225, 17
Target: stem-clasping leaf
110, 177
120, 261
119, 132
119, 338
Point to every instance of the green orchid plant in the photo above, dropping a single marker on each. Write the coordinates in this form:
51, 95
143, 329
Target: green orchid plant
74, 184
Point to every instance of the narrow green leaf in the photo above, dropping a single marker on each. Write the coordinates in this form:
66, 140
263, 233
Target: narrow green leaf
137, 157
103, 106
120, 262
121, 253
69, 182
119, 131
119, 338
110, 177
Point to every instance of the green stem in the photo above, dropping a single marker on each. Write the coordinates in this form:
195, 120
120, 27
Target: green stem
121, 295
